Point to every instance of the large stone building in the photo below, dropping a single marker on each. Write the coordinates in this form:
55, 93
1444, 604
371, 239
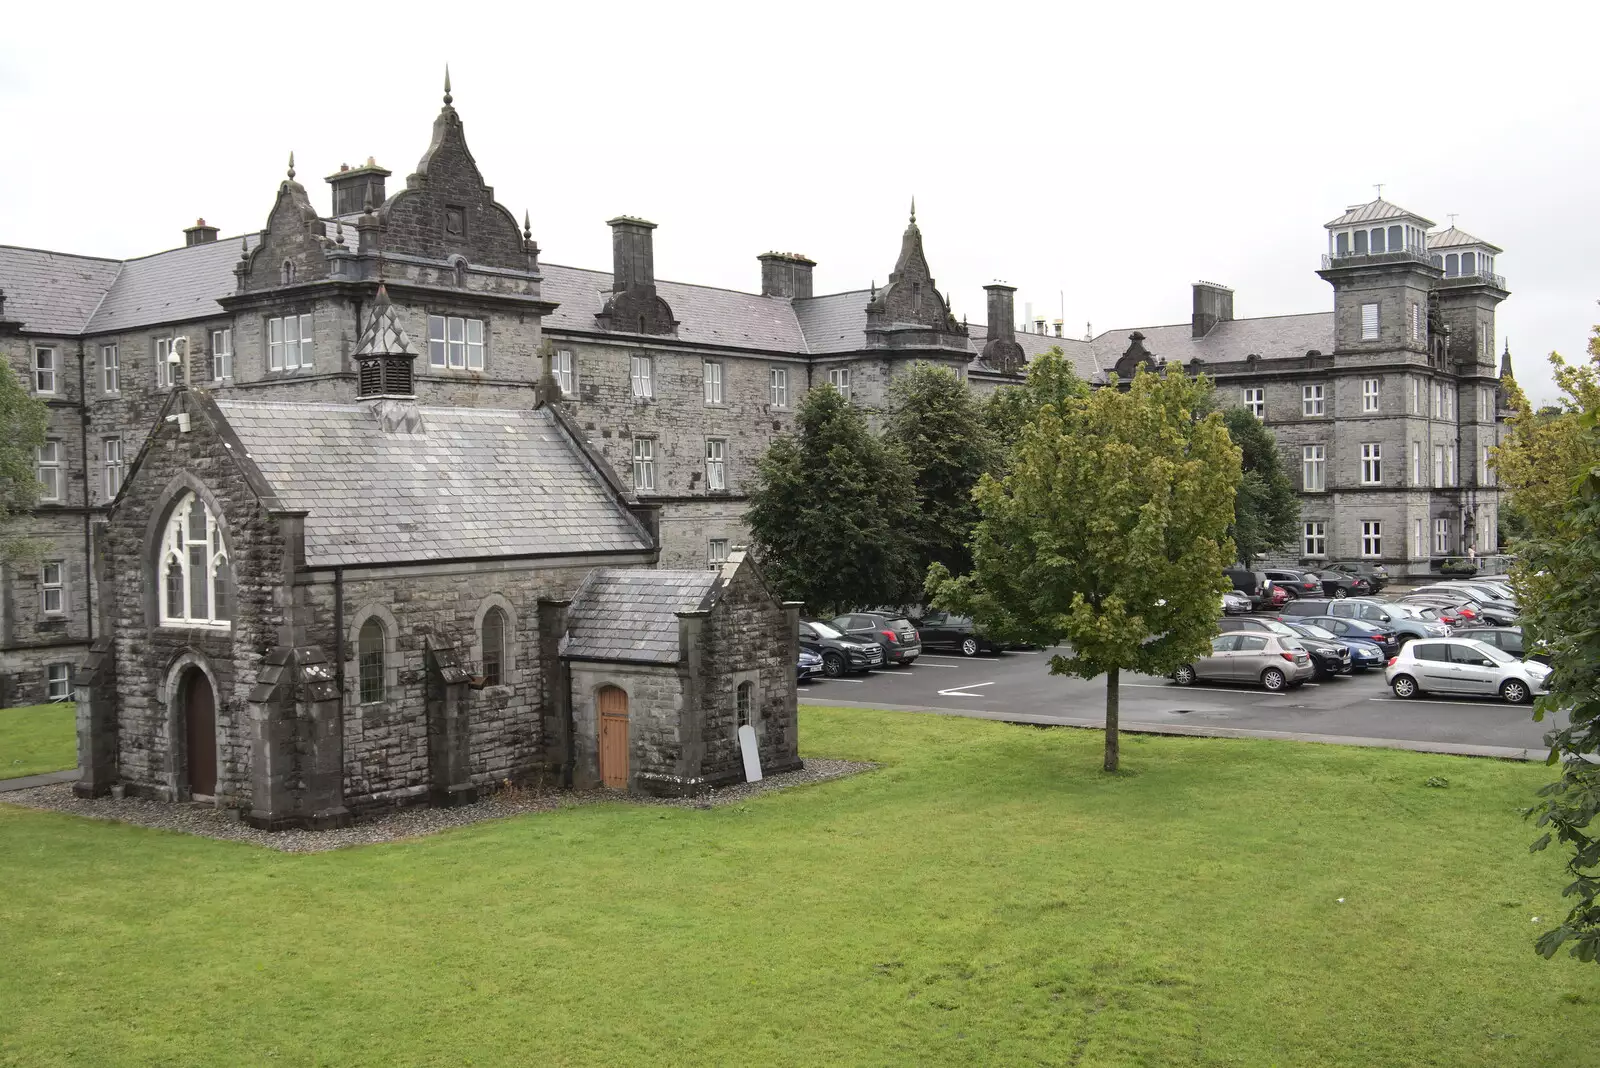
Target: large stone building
678, 388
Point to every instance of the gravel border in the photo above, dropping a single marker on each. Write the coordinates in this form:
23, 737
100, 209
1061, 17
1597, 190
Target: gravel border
211, 822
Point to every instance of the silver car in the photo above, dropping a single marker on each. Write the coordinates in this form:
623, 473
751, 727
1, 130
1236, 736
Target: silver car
1274, 661
1462, 665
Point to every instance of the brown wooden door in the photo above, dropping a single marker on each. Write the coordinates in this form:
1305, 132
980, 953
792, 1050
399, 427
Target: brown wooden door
200, 733
613, 736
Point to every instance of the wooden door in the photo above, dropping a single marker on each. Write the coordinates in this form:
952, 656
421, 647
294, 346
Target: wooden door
613, 704
200, 733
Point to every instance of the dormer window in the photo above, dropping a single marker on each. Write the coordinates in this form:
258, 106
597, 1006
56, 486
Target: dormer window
196, 579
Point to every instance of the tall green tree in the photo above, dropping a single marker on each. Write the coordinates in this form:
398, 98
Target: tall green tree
22, 429
1550, 463
1051, 379
935, 422
833, 510
1109, 532
1266, 512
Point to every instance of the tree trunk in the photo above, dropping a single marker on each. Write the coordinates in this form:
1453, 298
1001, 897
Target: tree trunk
1113, 749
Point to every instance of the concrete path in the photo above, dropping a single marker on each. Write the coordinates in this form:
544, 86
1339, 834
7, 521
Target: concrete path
27, 782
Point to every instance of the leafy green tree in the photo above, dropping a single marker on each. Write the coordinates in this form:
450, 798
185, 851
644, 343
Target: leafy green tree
1051, 380
833, 510
1108, 532
1550, 463
1266, 513
935, 422
22, 429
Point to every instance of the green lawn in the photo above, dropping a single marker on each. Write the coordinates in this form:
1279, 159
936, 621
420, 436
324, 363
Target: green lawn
37, 738
986, 897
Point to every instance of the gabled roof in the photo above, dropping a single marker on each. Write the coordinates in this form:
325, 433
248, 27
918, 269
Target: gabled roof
1270, 337
1454, 238
171, 286
706, 315
1379, 210
631, 614
53, 292
835, 322
470, 482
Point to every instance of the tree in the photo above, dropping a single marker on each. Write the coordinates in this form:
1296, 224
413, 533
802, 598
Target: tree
832, 509
22, 429
1109, 532
1051, 380
935, 422
1266, 512
1551, 465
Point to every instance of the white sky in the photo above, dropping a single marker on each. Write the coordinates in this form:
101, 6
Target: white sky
1106, 157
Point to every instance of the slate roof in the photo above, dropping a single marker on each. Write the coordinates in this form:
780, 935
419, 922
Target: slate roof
473, 482
53, 292
1081, 353
1454, 238
631, 614
1270, 337
182, 283
706, 315
836, 322
1379, 210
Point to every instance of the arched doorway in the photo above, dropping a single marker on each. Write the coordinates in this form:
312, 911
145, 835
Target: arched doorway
200, 733
613, 706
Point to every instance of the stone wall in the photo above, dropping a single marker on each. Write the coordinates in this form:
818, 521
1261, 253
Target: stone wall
747, 638
656, 711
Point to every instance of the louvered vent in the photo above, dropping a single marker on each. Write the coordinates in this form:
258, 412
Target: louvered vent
371, 382
398, 378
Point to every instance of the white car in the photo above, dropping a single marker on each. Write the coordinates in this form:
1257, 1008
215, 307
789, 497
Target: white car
1462, 665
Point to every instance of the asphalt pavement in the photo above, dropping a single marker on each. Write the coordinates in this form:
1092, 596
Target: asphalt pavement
1357, 710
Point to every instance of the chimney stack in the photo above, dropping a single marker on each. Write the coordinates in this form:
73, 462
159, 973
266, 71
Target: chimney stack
785, 274
351, 185
1001, 351
633, 256
199, 234
1213, 304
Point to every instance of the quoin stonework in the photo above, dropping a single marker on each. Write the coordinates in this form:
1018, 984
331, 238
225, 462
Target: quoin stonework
665, 394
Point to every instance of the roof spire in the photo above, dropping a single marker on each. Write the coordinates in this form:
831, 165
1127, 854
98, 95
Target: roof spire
913, 211
291, 165
1505, 361
447, 97
527, 227
367, 205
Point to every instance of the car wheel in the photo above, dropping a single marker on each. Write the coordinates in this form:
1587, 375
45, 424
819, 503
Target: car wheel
1515, 691
1339, 594
1404, 686
1184, 676
969, 647
832, 665
1273, 679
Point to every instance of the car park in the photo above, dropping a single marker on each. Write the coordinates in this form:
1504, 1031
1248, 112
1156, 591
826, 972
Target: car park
1375, 575
941, 630
1464, 666
1356, 630
808, 665
1296, 583
1329, 655
1235, 603
841, 654
1267, 659
893, 634
1253, 584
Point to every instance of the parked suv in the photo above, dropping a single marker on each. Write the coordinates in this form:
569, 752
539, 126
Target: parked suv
1343, 584
1253, 584
1377, 575
941, 630
1461, 665
1276, 663
1402, 620
893, 634
841, 654
1295, 582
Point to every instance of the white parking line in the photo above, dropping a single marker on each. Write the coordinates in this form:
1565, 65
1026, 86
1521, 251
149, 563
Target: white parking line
960, 691
1218, 689
825, 678
919, 664
953, 656
1489, 701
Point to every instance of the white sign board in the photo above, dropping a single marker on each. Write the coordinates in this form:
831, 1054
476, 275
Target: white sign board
752, 759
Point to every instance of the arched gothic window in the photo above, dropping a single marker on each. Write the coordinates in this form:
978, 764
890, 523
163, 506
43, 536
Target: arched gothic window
744, 697
459, 266
196, 579
494, 647
287, 272
369, 653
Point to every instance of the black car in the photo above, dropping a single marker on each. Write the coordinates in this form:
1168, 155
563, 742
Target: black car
841, 654
1377, 575
941, 630
1508, 639
1329, 655
1344, 584
1296, 582
1253, 584
893, 634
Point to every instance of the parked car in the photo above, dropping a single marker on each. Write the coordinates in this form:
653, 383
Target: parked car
1414, 621
1253, 584
1446, 612
1462, 665
1483, 593
1509, 639
1235, 603
1378, 634
841, 654
1404, 620
1482, 589
941, 630
809, 664
1276, 663
1338, 584
1376, 574
1329, 655
1475, 612
1296, 583
894, 634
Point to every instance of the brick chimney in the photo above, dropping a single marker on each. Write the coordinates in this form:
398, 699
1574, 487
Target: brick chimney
199, 234
634, 306
1213, 304
785, 274
351, 185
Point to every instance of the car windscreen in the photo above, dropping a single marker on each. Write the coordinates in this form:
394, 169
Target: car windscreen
1307, 631
824, 631
1280, 629
1495, 653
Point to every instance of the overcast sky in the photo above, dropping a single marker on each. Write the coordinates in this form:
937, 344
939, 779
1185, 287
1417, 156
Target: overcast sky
1100, 159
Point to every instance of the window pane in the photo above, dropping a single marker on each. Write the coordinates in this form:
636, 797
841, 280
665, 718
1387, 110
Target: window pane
222, 598
493, 645
370, 651
175, 601
1377, 240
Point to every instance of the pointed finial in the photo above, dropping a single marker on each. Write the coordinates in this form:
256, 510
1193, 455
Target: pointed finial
913, 209
447, 97
527, 226
338, 233
383, 297
291, 165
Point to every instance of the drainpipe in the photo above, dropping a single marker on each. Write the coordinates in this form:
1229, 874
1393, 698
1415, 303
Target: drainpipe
338, 636
83, 477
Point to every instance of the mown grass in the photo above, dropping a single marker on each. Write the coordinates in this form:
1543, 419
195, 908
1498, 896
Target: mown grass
36, 739
986, 897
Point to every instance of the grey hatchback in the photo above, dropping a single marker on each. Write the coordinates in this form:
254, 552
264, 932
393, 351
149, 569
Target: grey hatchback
1275, 662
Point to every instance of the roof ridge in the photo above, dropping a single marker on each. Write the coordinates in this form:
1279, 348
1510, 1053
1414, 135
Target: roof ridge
1248, 319
58, 252
89, 320
669, 281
